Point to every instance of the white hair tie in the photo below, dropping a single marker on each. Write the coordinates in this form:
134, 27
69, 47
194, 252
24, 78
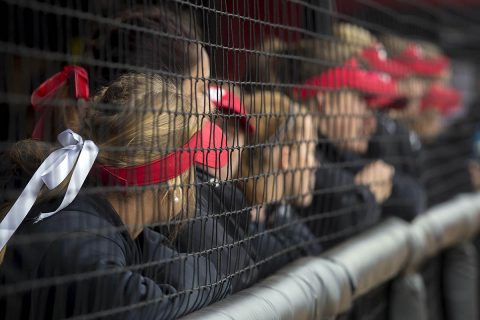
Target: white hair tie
76, 157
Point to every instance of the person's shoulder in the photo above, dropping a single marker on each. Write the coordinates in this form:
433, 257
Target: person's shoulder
78, 236
85, 213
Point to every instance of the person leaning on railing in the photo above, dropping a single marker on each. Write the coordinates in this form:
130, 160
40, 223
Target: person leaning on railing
392, 141
215, 229
219, 206
277, 175
349, 189
222, 210
336, 196
96, 253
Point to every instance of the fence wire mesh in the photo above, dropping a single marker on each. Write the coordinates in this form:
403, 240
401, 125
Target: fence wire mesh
203, 145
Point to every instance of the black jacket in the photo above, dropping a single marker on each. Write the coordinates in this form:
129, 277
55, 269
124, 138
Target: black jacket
340, 208
242, 251
218, 232
447, 159
282, 238
397, 145
408, 198
401, 147
82, 261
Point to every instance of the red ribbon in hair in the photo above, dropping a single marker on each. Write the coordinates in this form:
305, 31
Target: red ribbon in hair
73, 77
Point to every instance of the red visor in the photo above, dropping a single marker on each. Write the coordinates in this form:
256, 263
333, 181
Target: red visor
376, 57
73, 76
350, 76
413, 58
207, 146
447, 100
229, 103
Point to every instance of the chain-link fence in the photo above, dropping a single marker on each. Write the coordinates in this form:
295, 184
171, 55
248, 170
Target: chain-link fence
158, 157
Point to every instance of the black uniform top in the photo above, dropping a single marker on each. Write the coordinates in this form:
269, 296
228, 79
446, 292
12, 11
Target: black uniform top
83, 261
242, 251
401, 147
217, 232
397, 145
445, 160
340, 208
282, 238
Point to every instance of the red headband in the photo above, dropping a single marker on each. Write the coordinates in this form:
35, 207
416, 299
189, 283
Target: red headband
446, 99
413, 58
229, 103
199, 148
73, 76
350, 76
376, 57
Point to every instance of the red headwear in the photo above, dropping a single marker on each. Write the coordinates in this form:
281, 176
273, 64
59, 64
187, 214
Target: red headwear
206, 146
446, 99
380, 87
413, 58
229, 103
376, 57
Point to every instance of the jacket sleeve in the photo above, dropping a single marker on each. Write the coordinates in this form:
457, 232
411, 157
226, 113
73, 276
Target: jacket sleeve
214, 234
408, 198
340, 208
282, 239
98, 276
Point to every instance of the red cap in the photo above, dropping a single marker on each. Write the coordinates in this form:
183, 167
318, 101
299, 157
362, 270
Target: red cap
229, 103
376, 57
74, 76
446, 99
371, 83
207, 146
413, 58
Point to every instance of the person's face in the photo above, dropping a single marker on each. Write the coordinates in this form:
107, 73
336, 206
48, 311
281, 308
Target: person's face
303, 163
235, 139
413, 87
236, 142
197, 85
429, 124
347, 121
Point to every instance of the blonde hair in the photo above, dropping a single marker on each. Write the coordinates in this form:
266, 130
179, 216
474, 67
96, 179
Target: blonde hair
394, 45
317, 56
260, 65
277, 124
430, 50
355, 35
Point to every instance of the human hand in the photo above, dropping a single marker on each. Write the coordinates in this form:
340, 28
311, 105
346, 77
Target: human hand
378, 177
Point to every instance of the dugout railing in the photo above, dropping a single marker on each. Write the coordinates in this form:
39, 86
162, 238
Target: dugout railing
326, 286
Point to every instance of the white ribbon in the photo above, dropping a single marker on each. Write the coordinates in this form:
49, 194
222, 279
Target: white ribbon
76, 156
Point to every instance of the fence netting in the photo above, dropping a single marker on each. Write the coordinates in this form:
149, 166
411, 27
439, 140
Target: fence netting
159, 156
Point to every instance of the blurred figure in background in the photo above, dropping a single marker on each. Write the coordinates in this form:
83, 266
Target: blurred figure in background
346, 189
278, 176
341, 94
391, 141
